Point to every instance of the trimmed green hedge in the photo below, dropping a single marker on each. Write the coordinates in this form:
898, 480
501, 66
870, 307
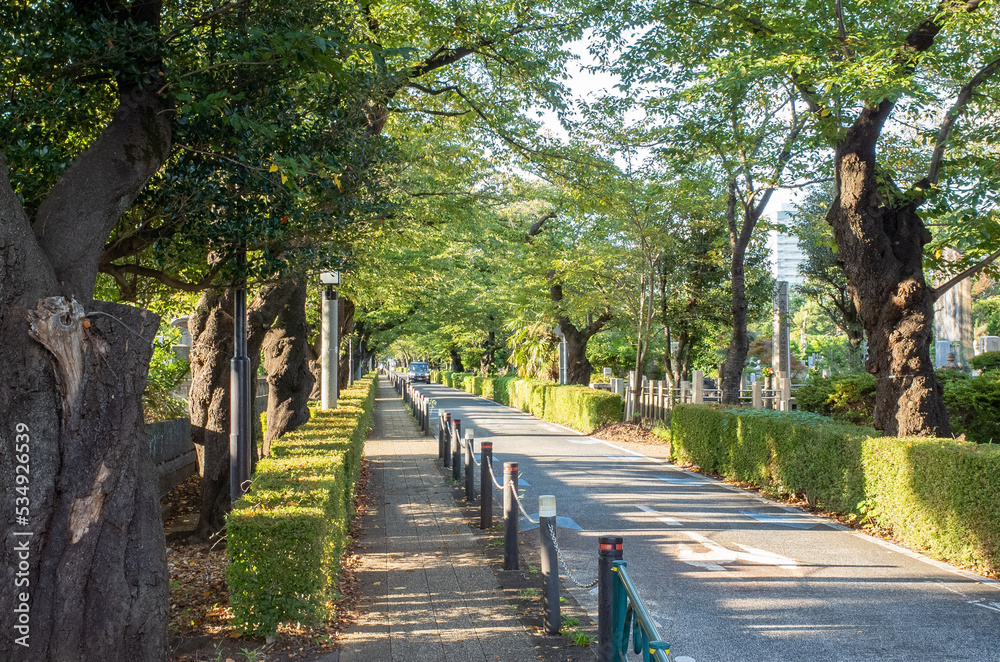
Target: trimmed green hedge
942, 496
581, 407
286, 536
578, 407
939, 495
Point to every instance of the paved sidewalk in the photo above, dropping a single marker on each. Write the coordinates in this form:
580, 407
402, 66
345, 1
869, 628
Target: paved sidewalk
428, 592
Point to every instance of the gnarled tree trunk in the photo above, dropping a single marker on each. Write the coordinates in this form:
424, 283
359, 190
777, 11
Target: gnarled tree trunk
881, 244
211, 328
84, 558
286, 359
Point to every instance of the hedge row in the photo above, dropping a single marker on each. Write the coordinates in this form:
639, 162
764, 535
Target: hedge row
942, 496
578, 407
285, 537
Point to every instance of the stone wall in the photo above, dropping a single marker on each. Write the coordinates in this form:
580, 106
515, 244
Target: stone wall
173, 454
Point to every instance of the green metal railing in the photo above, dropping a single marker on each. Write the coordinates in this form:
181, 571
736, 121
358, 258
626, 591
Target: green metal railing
630, 619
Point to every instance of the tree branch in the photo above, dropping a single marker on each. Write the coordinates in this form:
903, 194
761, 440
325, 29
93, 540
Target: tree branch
75, 219
939, 291
116, 270
536, 227
964, 96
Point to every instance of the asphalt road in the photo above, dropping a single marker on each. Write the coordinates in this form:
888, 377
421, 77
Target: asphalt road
729, 576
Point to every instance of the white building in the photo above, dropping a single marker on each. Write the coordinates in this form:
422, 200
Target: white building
784, 248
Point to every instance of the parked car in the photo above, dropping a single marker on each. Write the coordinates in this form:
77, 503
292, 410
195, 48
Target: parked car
419, 372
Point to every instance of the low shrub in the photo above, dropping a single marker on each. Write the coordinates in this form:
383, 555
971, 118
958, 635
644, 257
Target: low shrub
849, 397
285, 537
987, 361
472, 384
974, 405
939, 495
580, 407
942, 496
501, 389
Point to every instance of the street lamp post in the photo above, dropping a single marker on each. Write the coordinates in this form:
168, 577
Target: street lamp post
331, 356
239, 390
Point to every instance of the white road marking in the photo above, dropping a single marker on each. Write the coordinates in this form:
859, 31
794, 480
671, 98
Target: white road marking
687, 480
585, 441
624, 458
669, 521
684, 658
719, 555
792, 521
993, 606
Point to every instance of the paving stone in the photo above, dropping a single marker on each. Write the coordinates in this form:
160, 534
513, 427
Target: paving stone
428, 594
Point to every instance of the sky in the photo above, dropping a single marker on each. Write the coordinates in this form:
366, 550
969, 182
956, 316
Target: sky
589, 86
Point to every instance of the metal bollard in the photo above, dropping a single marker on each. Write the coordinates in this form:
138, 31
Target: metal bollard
447, 440
441, 452
609, 549
485, 485
424, 415
550, 562
456, 450
470, 478
510, 560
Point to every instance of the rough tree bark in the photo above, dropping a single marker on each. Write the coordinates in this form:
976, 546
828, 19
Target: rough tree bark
739, 342
491, 346
286, 360
456, 360
578, 367
94, 567
211, 329
881, 237
881, 244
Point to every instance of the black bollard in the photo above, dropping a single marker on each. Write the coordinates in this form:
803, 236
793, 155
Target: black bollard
485, 485
447, 440
470, 478
440, 435
510, 551
550, 563
456, 450
609, 548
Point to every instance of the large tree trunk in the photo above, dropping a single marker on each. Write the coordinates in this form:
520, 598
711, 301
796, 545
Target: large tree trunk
346, 328
578, 367
486, 360
456, 360
211, 328
286, 359
881, 244
84, 556
739, 343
